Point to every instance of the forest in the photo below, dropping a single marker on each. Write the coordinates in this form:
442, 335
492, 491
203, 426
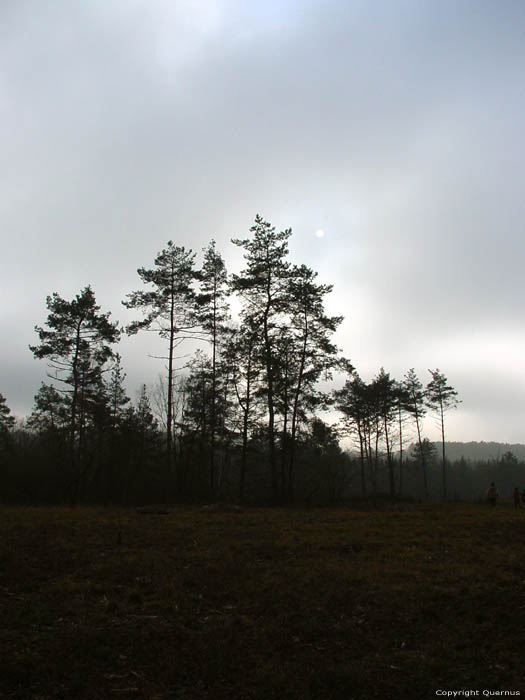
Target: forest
243, 417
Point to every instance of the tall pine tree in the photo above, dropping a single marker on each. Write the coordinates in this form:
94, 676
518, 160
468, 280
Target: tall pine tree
168, 309
212, 312
262, 287
77, 344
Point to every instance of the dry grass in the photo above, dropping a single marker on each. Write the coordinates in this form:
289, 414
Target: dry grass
267, 603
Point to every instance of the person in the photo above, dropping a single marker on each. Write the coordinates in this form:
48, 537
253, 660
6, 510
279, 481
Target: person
517, 498
492, 494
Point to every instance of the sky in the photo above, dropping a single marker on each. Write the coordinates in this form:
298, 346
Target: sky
396, 127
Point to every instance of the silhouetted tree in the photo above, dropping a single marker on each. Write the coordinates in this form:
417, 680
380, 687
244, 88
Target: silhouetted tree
354, 402
77, 342
325, 473
212, 311
427, 448
415, 404
207, 403
509, 458
441, 397
402, 407
195, 420
168, 310
241, 356
113, 433
309, 346
144, 436
7, 421
384, 391
262, 286
117, 397
49, 423
50, 412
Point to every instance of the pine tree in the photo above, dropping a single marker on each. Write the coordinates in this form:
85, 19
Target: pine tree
360, 405
384, 389
77, 343
50, 415
441, 397
114, 445
212, 312
311, 351
144, 438
7, 421
245, 368
168, 310
415, 405
262, 287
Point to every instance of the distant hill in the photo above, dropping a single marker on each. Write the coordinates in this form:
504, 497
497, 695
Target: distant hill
481, 450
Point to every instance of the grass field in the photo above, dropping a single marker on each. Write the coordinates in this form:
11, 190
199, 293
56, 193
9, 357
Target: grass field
267, 603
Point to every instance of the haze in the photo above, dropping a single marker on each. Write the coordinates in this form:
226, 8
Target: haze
395, 128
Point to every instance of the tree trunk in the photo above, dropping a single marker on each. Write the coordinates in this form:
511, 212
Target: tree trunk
284, 434
271, 407
389, 462
443, 452
296, 409
400, 450
422, 454
246, 415
213, 392
362, 458
169, 428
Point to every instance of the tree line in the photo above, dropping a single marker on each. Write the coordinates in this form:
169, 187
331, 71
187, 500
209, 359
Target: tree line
239, 419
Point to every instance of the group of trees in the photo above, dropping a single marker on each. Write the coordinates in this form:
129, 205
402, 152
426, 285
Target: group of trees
240, 418
376, 413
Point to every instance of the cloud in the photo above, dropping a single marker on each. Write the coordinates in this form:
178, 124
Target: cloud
396, 128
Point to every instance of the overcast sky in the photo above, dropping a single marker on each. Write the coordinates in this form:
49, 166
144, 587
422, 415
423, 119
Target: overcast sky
396, 127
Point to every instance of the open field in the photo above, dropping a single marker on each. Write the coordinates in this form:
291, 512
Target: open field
266, 603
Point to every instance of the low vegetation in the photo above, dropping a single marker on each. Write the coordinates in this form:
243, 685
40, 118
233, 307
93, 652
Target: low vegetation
393, 602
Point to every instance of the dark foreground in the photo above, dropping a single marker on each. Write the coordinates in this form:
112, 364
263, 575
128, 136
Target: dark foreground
398, 603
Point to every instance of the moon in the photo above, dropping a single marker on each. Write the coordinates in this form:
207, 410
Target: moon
319, 233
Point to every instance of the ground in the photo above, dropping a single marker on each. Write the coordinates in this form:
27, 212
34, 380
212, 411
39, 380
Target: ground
345, 603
